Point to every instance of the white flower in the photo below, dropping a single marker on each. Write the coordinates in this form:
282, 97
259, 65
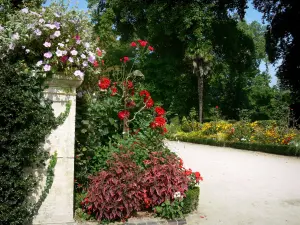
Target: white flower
1, 28
57, 25
56, 15
61, 44
71, 60
47, 44
177, 195
59, 53
57, 33
27, 51
43, 9
47, 67
78, 42
243, 139
23, 47
25, 10
85, 64
48, 55
38, 32
51, 26
78, 73
39, 63
67, 40
41, 20
83, 56
87, 45
35, 13
30, 26
65, 52
16, 36
11, 46
74, 52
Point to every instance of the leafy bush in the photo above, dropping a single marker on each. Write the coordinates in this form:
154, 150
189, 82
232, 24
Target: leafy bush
117, 192
163, 177
191, 200
26, 119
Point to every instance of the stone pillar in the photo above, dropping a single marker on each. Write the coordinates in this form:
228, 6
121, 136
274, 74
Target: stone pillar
58, 206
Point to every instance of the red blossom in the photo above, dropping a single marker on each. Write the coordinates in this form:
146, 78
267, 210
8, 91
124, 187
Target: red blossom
160, 121
151, 48
217, 107
102, 61
96, 64
198, 176
77, 37
143, 43
129, 84
132, 92
114, 90
104, 83
149, 103
123, 114
99, 52
164, 130
145, 93
124, 59
64, 58
152, 125
188, 172
160, 111
180, 163
133, 44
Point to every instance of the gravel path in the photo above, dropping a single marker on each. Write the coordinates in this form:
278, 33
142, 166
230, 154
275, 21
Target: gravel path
241, 187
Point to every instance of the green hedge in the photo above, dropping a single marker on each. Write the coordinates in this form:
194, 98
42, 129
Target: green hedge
274, 149
191, 201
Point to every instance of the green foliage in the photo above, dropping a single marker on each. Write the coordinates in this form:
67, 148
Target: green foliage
170, 210
191, 201
27, 118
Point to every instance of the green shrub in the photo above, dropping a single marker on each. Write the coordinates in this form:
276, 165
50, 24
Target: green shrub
191, 201
170, 210
26, 119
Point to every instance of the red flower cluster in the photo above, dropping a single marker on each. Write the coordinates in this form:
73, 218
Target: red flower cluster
130, 104
160, 111
149, 103
104, 83
129, 84
99, 53
159, 121
143, 43
133, 44
145, 94
125, 59
114, 90
198, 176
151, 48
123, 114
96, 64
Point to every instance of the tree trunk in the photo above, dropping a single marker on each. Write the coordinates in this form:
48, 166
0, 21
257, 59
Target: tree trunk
200, 94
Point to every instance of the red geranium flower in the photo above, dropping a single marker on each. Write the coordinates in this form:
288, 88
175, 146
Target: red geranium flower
133, 44
96, 64
124, 59
145, 93
198, 176
188, 172
129, 84
123, 114
180, 163
99, 53
143, 43
152, 125
114, 90
159, 111
149, 103
164, 131
160, 121
64, 58
151, 48
104, 83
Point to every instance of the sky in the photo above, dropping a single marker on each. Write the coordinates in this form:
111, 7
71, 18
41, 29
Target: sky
251, 15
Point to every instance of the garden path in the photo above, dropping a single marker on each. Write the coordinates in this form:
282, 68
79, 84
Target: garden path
243, 187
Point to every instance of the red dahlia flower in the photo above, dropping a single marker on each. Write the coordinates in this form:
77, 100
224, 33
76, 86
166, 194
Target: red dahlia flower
123, 114
104, 83
160, 111
160, 121
151, 48
133, 44
149, 103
